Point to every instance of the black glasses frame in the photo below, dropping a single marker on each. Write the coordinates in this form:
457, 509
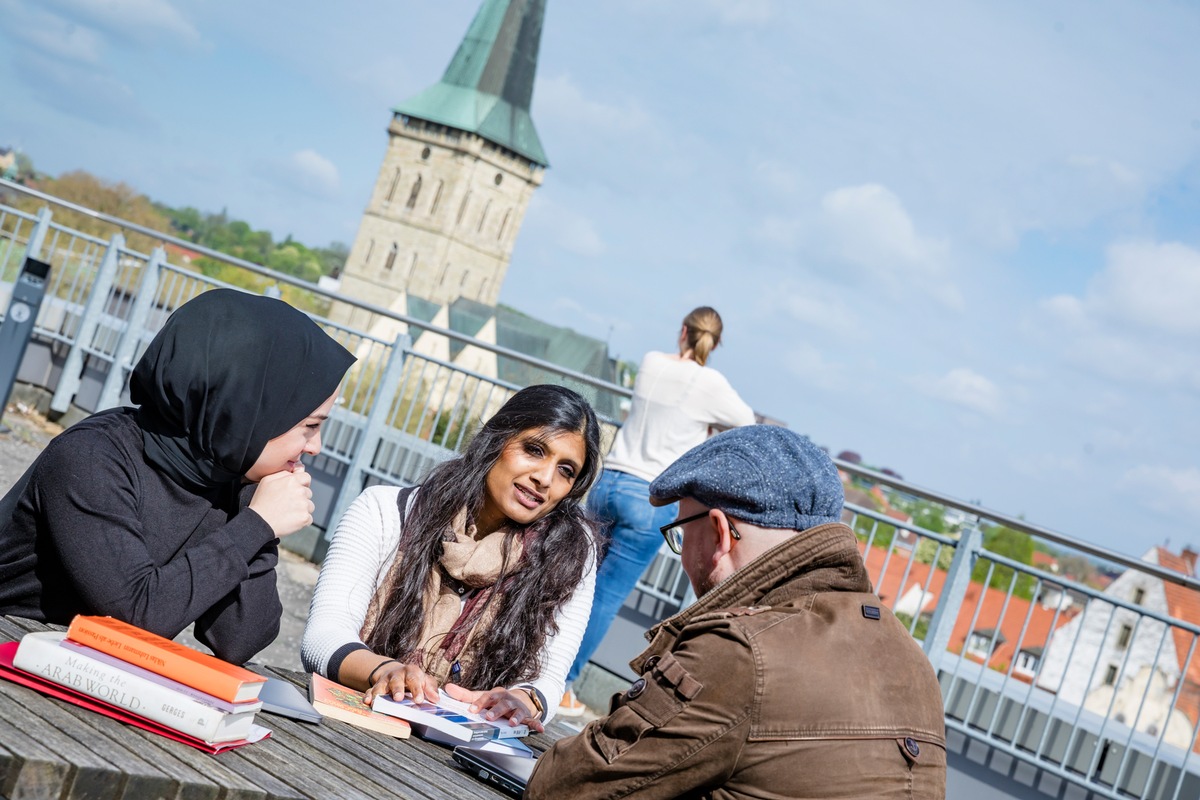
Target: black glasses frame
676, 543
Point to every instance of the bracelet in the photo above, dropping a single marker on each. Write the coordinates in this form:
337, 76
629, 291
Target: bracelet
538, 705
371, 677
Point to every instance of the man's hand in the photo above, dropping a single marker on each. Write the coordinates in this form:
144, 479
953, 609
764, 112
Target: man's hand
512, 704
284, 500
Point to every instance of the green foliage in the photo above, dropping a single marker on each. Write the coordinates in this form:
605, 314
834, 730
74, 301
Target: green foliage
1011, 544
920, 630
864, 527
238, 239
927, 551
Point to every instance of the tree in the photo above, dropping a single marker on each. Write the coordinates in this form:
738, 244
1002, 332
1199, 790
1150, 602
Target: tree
1011, 544
114, 199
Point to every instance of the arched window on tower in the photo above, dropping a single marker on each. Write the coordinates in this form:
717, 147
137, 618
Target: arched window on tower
412, 196
503, 225
392, 189
463, 280
442, 278
437, 197
462, 210
412, 267
370, 250
483, 216
482, 290
391, 258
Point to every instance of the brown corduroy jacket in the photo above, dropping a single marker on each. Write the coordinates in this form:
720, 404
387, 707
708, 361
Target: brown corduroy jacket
787, 680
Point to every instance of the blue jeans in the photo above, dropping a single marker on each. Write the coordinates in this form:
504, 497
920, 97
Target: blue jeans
622, 504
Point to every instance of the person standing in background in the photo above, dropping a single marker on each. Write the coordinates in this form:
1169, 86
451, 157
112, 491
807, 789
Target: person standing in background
677, 402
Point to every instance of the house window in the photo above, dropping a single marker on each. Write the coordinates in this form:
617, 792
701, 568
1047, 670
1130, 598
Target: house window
391, 258
392, 189
437, 196
1027, 663
1110, 675
1138, 596
412, 196
483, 216
1124, 636
979, 644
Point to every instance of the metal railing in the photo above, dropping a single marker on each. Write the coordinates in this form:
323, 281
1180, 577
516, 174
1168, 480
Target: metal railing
1099, 685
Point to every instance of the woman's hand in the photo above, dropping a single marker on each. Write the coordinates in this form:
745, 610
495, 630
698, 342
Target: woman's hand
397, 679
515, 705
284, 501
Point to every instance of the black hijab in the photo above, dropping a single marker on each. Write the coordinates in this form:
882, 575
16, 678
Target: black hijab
228, 372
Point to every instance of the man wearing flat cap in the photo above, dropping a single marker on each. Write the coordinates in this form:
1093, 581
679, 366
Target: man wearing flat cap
787, 678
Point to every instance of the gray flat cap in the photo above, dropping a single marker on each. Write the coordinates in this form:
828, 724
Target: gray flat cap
763, 474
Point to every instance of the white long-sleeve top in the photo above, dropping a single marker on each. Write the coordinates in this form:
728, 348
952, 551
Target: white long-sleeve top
364, 546
675, 401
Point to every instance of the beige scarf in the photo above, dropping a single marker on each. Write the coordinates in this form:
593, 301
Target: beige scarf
468, 567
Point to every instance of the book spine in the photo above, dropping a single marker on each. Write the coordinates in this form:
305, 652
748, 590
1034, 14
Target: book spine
149, 654
47, 659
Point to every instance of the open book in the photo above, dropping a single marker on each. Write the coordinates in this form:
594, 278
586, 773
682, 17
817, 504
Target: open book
448, 717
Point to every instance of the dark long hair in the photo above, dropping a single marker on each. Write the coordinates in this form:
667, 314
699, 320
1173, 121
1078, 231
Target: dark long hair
556, 550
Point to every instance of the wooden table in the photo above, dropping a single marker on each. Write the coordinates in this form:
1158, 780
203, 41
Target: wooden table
52, 749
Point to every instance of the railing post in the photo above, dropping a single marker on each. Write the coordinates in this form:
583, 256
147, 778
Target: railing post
38, 237
368, 443
93, 307
139, 312
958, 579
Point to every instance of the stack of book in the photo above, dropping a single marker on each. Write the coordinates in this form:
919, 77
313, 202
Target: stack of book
207, 702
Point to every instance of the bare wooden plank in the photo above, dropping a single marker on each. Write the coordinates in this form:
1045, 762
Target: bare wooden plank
94, 776
308, 772
30, 769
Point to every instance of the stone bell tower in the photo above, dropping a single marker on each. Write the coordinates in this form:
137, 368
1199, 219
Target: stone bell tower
462, 162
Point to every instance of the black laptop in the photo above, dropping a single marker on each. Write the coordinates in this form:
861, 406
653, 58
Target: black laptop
507, 772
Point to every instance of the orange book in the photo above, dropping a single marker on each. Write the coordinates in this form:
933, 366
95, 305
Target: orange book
340, 703
170, 659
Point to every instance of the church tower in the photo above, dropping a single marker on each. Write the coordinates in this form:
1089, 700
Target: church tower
462, 162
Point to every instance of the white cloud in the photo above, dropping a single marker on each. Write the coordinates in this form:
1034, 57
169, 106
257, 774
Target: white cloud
816, 304
316, 172
566, 228
140, 21
806, 362
1154, 286
1137, 319
868, 227
560, 97
1163, 489
58, 39
968, 389
306, 172
743, 12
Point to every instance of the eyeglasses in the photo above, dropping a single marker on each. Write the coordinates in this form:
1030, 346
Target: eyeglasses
673, 533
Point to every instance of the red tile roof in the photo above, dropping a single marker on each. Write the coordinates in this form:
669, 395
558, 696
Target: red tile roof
993, 613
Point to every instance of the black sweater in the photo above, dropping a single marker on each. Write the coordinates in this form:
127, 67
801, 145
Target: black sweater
95, 529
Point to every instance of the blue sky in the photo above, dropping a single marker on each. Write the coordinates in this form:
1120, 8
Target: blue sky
959, 238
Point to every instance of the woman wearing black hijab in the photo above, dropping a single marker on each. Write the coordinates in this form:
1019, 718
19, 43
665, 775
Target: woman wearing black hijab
170, 513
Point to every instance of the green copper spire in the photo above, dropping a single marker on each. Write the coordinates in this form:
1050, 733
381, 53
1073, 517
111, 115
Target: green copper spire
488, 86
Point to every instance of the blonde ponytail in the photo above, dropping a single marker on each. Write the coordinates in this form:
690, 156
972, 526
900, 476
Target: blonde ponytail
703, 327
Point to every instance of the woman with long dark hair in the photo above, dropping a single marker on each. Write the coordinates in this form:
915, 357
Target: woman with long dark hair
171, 513
480, 579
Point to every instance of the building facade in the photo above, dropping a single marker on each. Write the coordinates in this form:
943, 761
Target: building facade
462, 162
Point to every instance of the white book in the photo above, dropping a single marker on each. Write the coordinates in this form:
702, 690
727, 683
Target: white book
448, 717
125, 686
